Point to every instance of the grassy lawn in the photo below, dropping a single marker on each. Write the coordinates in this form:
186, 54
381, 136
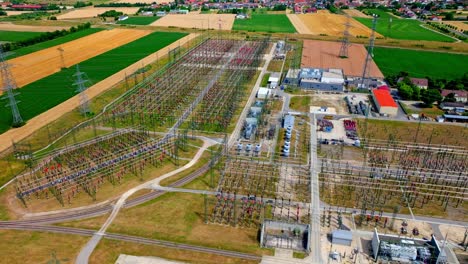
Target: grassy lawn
14, 36
37, 247
51, 43
300, 103
139, 20
401, 28
406, 131
109, 250
179, 217
420, 63
48, 92
265, 23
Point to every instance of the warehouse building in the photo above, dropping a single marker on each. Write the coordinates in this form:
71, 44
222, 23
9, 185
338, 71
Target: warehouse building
384, 102
331, 80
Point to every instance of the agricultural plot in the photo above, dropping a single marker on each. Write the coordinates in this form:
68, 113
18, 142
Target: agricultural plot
51, 43
35, 66
265, 23
325, 54
88, 12
27, 28
401, 28
421, 63
194, 20
325, 23
52, 90
14, 36
138, 20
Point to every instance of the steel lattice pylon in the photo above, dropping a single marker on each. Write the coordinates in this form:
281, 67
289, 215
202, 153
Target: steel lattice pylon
370, 51
80, 83
345, 41
8, 86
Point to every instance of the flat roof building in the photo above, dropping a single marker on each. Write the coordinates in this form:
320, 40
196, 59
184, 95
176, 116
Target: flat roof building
384, 102
342, 237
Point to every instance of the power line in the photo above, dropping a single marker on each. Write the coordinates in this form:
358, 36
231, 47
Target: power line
9, 85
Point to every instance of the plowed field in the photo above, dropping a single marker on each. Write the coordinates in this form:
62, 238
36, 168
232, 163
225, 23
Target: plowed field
32, 67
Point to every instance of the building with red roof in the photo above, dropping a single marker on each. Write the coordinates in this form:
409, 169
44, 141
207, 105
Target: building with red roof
384, 102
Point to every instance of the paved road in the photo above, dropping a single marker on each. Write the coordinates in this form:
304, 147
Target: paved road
87, 250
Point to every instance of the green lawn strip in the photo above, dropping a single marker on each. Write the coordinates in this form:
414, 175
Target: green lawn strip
51, 43
265, 23
52, 90
139, 20
409, 29
14, 36
418, 63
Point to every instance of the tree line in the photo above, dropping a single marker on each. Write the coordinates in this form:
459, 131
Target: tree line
44, 37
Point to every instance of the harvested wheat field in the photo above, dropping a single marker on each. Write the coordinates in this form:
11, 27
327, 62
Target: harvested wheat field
8, 26
459, 24
18, 134
34, 66
325, 54
193, 20
95, 11
356, 13
329, 24
298, 24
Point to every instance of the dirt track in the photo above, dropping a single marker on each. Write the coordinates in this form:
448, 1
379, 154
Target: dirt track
53, 114
194, 20
8, 26
329, 24
95, 11
325, 54
35, 66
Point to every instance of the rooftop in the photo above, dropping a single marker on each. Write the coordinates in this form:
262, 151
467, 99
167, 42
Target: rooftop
384, 98
457, 93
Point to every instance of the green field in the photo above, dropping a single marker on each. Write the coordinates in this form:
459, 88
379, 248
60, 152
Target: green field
409, 29
14, 36
51, 43
140, 20
265, 23
50, 91
420, 63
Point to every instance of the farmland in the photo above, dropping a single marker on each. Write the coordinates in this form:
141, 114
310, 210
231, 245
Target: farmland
35, 66
401, 28
265, 23
140, 20
95, 11
51, 43
48, 92
14, 36
325, 23
420, 63
194, 20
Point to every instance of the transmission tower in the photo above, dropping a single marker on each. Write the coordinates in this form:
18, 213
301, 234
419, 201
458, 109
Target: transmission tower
80, 83
62, 58
345, 40
9, 85
370, 50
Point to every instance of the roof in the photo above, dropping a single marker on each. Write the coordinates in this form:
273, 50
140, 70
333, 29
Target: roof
342, 234
383, 87
456, 117
417, 81
384, 98
457, 93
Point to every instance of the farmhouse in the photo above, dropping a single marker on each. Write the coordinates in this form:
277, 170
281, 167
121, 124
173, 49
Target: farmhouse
422, 83
459, 95
384, 102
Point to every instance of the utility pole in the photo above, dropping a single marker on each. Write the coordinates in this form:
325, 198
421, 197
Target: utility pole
370, 51
81, 88
8, 86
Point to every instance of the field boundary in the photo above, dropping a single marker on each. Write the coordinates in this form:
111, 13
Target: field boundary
35, 123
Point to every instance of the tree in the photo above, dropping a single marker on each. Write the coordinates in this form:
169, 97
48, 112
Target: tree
430, 96
449, 16
450, 98
405, 91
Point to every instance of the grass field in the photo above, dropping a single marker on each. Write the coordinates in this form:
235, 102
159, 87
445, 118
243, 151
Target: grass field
420, 63
37, 247
401, 28
140, 20
14, 36
48, 92
265, 23
51, 43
